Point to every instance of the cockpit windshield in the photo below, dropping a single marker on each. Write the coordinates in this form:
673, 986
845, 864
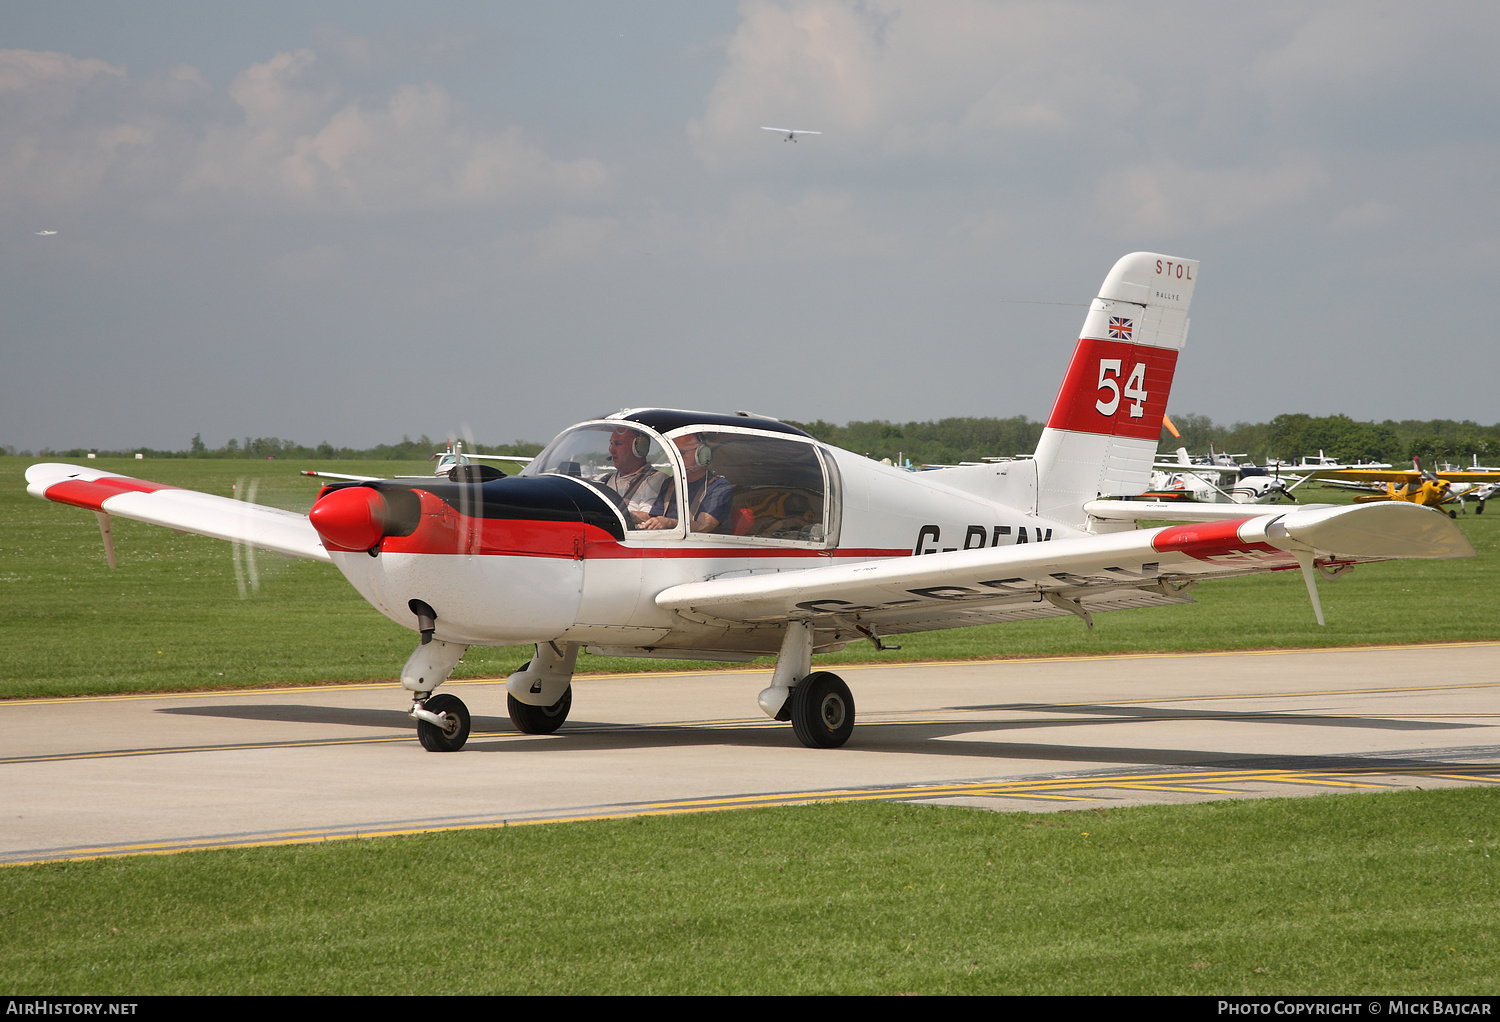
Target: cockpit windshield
744, 484
626, 463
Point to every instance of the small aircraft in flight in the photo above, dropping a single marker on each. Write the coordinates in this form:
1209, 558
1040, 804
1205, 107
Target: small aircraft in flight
45, 234
659, 532
790, 133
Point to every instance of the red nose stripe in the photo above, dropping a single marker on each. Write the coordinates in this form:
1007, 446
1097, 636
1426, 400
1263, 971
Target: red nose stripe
92, 493
350, 519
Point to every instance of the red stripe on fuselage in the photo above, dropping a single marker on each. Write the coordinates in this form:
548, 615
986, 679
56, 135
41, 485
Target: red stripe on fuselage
1084, 389
92, 493
443, 530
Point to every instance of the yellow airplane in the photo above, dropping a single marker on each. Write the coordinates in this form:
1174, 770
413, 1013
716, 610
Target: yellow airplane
1415, 485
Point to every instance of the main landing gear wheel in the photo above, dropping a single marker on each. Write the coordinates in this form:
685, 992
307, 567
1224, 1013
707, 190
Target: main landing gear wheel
822, 711
451, 737
539, 720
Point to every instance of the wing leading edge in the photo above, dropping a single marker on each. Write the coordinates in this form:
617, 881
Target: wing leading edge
205, 514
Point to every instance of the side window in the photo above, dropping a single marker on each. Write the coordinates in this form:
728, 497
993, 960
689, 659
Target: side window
779, 487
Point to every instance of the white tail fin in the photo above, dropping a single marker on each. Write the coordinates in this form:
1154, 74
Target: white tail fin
1101, 436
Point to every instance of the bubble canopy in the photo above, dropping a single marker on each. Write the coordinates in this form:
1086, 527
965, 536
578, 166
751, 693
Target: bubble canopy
768, 486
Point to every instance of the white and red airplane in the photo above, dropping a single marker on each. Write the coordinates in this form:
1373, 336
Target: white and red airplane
788, 546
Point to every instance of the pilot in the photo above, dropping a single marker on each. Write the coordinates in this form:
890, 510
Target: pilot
710, 496
634, 479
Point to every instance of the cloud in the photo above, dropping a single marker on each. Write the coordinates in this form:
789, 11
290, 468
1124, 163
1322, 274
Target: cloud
819, 225
903, 78
1167, 198
283, 138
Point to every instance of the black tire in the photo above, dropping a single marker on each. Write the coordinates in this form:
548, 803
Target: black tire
1480, 509
451, 738
539, 720
822, 711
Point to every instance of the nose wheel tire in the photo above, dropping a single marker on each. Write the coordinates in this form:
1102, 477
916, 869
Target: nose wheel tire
450, 737
539, 720
822, 711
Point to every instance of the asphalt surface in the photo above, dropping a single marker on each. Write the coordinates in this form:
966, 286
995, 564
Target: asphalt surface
131, 774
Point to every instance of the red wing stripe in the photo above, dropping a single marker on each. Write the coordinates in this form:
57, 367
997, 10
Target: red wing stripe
1207, 540
92, 494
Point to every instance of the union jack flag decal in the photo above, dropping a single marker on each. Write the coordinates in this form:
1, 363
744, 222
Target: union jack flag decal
1119, 328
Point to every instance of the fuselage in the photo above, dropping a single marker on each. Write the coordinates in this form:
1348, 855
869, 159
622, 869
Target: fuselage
550, 555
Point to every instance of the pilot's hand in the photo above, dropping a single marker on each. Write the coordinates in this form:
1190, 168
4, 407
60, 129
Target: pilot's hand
660, 523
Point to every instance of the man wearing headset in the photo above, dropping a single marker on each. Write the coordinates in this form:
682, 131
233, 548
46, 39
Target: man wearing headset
637, 483
710, 496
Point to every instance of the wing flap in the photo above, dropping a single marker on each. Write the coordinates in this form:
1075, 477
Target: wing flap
204, 514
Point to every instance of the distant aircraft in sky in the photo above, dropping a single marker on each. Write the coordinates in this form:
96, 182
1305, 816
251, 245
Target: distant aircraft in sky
790, 133
46, 232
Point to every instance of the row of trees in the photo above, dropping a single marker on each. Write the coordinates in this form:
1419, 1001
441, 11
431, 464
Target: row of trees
1289, 437
949, 441
262, 448
945, 442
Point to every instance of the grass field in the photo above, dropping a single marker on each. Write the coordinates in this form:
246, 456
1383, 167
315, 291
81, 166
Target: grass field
1393, 894
171, 617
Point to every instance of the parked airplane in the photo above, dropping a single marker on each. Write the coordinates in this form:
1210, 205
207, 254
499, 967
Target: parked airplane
1417, 485
660, 532
1218, 479
446, 460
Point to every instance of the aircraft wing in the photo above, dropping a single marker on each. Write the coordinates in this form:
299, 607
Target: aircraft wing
1359, 475
1175, 466
1168, 510
1469, 477
314, 473
205, 514
1404, 475
1079, 576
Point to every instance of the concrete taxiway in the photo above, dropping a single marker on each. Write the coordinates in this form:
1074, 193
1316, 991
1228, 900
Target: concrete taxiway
130, 774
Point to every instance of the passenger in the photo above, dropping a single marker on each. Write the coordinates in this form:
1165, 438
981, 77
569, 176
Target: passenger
710, 496
637, 483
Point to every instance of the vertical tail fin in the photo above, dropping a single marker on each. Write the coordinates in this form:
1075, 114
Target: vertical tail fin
1101, 436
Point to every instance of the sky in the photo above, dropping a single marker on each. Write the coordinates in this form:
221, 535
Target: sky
350, 222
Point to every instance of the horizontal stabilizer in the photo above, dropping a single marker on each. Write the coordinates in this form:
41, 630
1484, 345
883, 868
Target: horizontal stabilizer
205, 514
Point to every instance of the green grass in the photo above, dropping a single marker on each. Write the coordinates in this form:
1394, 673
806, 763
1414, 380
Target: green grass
1347, 894
172, 618
1389, 893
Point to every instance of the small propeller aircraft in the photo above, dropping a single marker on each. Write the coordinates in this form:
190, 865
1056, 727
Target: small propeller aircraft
1205, 480
790, 133
1416, 485
662, 532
